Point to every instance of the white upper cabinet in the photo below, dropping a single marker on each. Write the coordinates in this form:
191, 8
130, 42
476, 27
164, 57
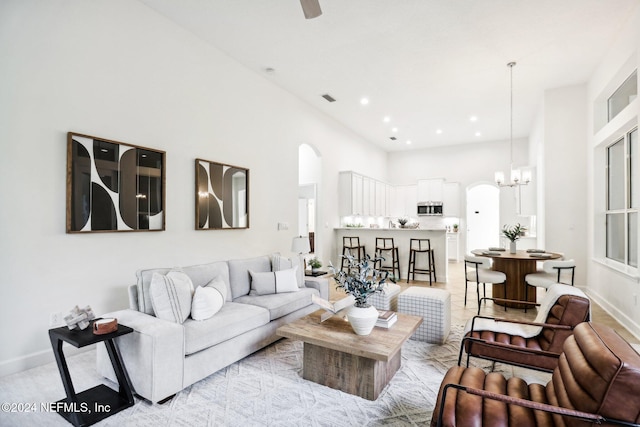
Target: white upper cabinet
451, 199
361, 195
430, 190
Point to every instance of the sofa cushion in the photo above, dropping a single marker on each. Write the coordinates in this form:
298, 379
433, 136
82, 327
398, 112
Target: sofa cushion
239, 273
280, 304
232, 320
200, 275
278, 262
207, 301
273, 282
171, 296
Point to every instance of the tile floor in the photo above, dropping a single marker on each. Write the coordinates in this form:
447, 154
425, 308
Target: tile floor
460, 313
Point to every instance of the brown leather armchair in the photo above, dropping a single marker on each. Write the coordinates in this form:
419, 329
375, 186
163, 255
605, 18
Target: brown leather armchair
597, 381
541, 351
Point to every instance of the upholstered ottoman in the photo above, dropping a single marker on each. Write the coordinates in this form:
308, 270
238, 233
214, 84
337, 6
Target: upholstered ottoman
387, 300
434, 305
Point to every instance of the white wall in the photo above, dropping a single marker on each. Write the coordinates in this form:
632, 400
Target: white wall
117, 70
565, 168
616, 291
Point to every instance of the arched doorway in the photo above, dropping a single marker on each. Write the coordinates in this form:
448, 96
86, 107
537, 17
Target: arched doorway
483, 216
309, 188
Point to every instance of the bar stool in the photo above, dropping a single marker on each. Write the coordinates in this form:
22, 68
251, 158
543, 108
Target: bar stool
352, 246
421, 246
386, 244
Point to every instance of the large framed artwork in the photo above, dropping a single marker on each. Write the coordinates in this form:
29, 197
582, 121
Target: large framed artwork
222, 196
113, 186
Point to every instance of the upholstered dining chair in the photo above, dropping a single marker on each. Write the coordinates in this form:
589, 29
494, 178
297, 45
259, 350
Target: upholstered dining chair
553, 271
536, 345
478, 269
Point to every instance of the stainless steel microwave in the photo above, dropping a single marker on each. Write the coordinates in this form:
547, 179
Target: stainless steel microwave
430, 208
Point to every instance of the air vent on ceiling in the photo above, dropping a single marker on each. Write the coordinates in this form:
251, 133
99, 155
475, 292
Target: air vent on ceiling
329, 97
393, 138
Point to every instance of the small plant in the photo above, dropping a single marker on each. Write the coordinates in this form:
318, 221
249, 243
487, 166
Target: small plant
361, 279
315, 262
513, 233
455, 227
403, 221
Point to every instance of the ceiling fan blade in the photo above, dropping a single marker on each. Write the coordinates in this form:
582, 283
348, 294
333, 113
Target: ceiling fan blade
311, 8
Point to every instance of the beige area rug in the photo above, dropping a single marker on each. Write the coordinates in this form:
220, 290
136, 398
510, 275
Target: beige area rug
264, 389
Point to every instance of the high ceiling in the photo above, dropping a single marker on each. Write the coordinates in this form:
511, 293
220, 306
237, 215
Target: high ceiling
427, 65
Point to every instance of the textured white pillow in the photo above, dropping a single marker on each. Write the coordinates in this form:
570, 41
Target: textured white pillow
207, 301
218, 283
278, 262
171, 296
274, 282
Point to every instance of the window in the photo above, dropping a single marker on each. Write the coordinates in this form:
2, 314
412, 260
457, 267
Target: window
623, 197
623, 96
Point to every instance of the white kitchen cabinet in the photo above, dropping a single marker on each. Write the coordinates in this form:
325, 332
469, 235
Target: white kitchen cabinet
453, 247
361, 195
451, 199
350, 192
430, 190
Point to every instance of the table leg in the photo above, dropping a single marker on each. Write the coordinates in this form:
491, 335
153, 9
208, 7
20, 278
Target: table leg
121, 374
515, 287
72, 397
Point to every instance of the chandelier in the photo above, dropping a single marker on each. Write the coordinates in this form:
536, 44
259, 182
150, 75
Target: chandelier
516, 177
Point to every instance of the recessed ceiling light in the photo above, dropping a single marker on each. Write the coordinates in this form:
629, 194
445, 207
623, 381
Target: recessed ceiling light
439, 131
364, 101
473, 118
386, 119
408, 142
394, 129
478, 134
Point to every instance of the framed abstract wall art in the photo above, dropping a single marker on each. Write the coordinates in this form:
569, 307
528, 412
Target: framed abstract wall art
113, 186
222, 196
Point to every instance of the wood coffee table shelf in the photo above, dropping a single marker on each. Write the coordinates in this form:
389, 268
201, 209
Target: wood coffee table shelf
336, 357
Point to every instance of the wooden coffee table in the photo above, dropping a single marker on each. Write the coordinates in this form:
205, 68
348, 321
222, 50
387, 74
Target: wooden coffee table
338, 358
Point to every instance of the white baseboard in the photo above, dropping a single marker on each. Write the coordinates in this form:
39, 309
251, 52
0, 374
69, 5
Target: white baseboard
39, 358
619, 316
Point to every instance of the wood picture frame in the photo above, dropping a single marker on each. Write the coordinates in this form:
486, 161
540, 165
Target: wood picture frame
222, 196
113, 186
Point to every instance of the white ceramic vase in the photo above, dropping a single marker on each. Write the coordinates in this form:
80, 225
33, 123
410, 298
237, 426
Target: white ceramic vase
362, 319
512, 247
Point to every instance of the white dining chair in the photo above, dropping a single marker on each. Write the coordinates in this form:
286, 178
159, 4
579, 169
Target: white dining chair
553, 271
478, 270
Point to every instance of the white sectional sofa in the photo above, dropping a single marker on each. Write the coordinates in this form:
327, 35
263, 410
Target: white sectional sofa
162, 357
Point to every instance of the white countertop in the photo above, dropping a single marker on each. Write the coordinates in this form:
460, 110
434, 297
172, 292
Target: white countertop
389, 229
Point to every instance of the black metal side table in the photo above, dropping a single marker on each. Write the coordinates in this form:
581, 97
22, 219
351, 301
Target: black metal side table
99, 402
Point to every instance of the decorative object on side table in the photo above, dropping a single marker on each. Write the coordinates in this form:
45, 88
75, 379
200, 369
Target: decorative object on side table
315, 264
361, 279
79, 317
513, 234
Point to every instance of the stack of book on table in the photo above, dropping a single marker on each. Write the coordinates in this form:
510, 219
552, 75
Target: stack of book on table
386, 318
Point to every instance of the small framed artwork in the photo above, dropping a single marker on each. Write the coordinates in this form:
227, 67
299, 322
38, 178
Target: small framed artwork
222, 196
113, 186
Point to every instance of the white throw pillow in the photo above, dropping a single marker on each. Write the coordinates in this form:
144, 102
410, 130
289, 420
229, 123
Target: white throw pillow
207, 301
218, 283
171, 296
274, 282
279, 262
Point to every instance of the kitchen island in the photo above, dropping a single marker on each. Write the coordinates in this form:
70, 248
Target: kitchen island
401, 237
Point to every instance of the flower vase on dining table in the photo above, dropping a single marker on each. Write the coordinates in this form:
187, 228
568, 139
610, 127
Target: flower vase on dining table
512, 247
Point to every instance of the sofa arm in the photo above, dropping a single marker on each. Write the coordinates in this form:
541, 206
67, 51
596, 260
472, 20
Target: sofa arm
319, 283
153, 354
